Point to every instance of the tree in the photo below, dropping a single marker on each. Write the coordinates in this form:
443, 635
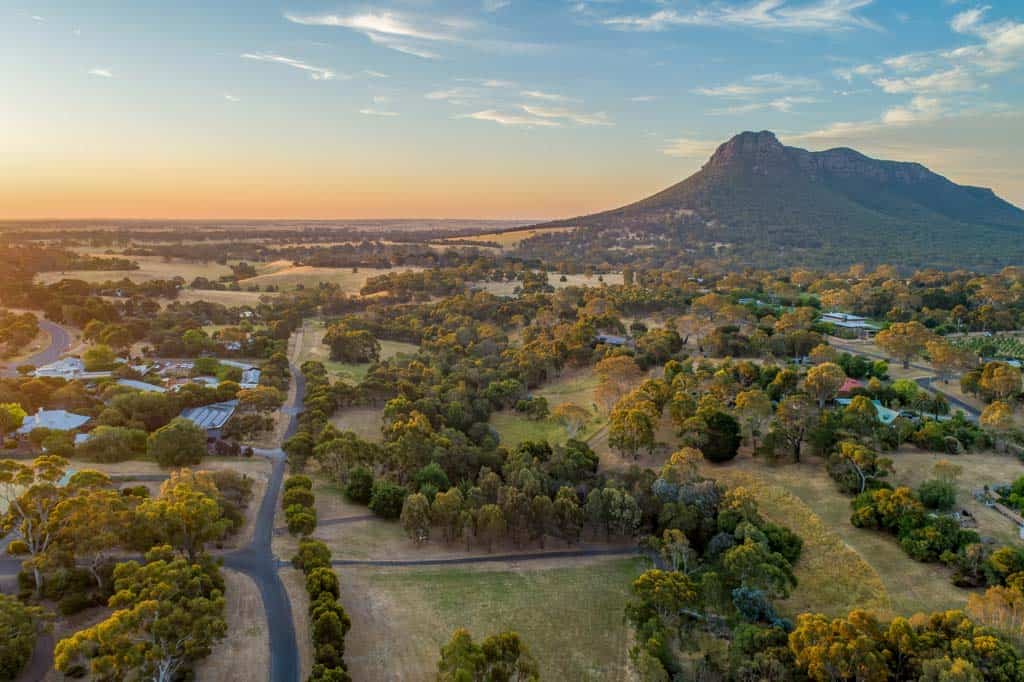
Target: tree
754, 409
168, 613
186, 515
864, 463
445, 511
1000, 380
631, 427
824, 381
92, 525
616, 376
98, 358
794, 416
947, 358
20, 625
387, 498
490, 524
416, 518
113, 444
180, 443
661, 593
904, 340
997, 418
31, 494
723, 437
499, 658
572, 416
11, 417
848, 648
351, 345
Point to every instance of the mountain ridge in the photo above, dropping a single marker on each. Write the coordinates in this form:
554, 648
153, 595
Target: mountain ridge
756, 194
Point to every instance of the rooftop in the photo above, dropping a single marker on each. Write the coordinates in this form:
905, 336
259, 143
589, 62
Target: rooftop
55, 420
210, 416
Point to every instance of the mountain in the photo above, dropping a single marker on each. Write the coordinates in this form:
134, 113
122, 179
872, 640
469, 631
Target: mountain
764, 203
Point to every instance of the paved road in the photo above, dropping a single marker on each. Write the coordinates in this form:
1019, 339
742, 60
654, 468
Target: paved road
259, 563
926, 383
60, 342
490, 558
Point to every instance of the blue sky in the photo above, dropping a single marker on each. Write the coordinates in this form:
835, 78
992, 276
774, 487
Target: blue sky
479, 108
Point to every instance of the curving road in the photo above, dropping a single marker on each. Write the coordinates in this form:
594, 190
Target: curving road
60, 342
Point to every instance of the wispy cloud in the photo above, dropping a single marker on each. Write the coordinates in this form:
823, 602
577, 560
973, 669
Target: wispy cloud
644, 98
848, 74
546, 96
495, 5
824, 15
760, 84
512, 119
38, 18
920, 109
371, 111
102, 73
595, 119
389, 29
375, 74
956, 79
317, 73
232, 98
783, 104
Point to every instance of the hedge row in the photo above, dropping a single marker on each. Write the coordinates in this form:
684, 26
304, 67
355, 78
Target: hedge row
297, 502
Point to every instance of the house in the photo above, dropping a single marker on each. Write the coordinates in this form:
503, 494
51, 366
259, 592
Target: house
54, 420
211, 418
65, 368
141, 386
885, 415
854, 323
613, 340
850, 385
250, 378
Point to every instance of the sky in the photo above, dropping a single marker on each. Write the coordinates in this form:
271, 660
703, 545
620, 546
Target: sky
502, 109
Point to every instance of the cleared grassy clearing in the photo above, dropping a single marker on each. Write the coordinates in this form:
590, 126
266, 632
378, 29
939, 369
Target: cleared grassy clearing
510, 240
313, 348
576, 387
833, 578
226, 298
914, 466
363, 421
571, 616
291, 276
150, 268
911, 586
243, 655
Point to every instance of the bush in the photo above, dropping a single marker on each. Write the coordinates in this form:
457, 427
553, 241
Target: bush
322, 673
74, 602
387, 499
301, 520
723, 437
18, 624
937, 494
312, 554
299, 496
322, 581
303, 482
360, 485
180, 443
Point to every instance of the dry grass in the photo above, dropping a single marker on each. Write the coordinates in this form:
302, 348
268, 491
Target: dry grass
833, 578
311, 347
365, 422
295, 585
510, 240
911, 586
230, 299
244, 655
150, 268
290, 276
508, 288
914, 466
570, 616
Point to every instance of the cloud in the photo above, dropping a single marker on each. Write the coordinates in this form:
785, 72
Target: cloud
495, 5
375, 74
102, 73
546, 96
914, 61
231, 98
457, 95
823, 15
36, 17
370, 111
595, 119
956, 79
920, 109
389, 29
760, 84
644, 98
688, 148
862, 70
1002, 47
317, 73
783, 104
507, 119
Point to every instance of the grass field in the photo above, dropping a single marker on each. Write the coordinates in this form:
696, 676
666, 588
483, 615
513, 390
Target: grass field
287, 276
575, 387
313, 348
225, 298
510, 240
571, 616
243, 655
150, 268
363, 421
508, 288
909, 585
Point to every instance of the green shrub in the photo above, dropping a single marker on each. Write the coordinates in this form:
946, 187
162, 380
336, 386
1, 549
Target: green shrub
387, 499
937, 494
321, 581
312, 554
298, 482
299, 496
301, 520
360, 485
17, 622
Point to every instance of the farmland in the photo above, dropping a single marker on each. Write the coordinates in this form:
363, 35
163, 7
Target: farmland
1000, 345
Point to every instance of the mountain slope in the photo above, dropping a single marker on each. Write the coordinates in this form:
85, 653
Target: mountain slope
765, 200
